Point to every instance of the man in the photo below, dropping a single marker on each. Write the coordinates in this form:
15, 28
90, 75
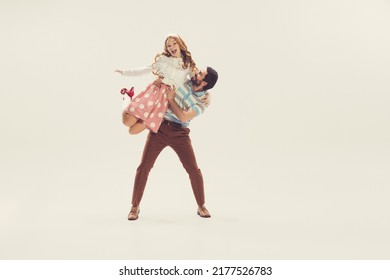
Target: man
185, 104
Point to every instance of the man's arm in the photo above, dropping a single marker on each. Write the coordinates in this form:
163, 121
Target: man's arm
183, 115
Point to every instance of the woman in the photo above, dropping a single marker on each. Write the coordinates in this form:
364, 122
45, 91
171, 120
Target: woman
174, 66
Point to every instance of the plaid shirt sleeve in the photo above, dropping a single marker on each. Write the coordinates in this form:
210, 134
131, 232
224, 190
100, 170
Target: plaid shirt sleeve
198, 108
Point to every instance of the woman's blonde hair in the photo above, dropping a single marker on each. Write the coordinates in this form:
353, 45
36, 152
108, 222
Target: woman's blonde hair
186, 55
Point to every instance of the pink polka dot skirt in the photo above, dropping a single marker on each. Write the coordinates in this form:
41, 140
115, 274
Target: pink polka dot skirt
150, 106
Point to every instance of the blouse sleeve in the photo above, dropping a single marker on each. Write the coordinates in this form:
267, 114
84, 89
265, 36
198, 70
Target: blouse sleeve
161, 65
138, 71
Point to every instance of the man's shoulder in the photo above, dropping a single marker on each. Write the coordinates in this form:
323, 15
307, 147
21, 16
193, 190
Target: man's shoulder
196, 103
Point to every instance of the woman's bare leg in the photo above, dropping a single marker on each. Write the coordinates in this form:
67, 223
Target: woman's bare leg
128, 120
137, 127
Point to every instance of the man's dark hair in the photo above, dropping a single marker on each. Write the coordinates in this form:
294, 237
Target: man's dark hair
211, 78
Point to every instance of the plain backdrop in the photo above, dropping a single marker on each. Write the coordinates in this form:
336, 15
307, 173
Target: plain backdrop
294, 147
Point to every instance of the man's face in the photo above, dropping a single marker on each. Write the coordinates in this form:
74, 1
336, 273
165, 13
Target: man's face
199, 77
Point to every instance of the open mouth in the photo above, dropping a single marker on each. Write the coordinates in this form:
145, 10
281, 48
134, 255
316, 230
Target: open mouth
173, 52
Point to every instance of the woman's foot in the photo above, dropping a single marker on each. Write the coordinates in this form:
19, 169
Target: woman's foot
129, 93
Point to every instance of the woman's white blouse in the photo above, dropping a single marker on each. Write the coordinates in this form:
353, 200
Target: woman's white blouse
168, 67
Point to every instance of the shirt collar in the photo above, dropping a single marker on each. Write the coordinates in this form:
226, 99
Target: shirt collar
198, 94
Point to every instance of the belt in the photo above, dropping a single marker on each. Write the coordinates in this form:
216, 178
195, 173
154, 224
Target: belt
173, 124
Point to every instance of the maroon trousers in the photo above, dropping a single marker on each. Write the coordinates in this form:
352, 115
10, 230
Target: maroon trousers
176, 137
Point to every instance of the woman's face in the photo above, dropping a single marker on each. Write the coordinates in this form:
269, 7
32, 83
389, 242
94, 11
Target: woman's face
173, 47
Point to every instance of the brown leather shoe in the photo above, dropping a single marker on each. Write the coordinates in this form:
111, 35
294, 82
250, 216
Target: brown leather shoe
133, 215
203, 212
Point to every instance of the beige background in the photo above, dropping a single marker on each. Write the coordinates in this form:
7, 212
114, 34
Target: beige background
294, 148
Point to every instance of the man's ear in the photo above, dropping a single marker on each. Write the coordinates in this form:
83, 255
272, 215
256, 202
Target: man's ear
203, 84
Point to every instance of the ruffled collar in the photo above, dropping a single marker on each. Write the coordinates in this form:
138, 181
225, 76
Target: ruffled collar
178, 60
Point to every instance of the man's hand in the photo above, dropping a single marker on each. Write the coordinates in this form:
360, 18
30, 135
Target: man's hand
171, 91
206, 99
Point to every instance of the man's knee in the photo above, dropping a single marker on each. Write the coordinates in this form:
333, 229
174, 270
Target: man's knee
192, 169
144, 168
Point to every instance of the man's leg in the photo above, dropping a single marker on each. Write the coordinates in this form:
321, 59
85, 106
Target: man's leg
155, 143
181, 144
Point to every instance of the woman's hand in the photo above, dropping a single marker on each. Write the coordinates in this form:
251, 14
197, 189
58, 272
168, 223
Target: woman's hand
158, 82
171, 91
119, 71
